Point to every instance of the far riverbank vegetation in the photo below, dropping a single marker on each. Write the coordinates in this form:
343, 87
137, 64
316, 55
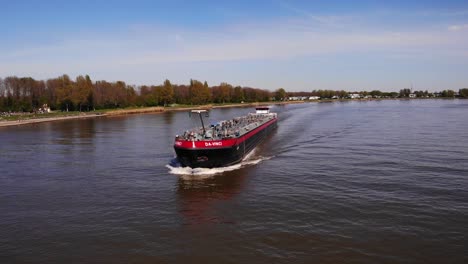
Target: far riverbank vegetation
25, 94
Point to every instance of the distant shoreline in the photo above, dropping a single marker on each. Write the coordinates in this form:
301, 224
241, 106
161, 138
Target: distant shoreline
132, 111
146, 110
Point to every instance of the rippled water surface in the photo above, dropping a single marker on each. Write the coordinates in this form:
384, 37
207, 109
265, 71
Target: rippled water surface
354, 182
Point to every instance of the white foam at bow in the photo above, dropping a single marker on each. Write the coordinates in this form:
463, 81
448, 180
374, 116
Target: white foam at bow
210, 172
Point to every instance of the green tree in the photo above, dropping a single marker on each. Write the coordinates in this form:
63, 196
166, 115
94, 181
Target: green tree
120, 94
131, 96
191, 91
64, 93
448, 93
82, 91
419, 93
181, 94
375, 93
405, 92
224, 93
238, 95
196, 88
89, 87
2, 95
463, 93
167, 93
200, 92
145, 93
280, 94
206, 94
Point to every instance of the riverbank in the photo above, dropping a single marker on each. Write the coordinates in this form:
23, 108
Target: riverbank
57, 116
19, 122
33, 119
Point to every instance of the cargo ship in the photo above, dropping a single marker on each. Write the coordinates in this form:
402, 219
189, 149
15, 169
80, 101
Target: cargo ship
224, 143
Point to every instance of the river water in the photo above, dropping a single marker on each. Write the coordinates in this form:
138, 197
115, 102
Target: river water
351, 182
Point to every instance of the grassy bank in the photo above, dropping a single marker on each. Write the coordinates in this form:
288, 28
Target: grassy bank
29, 118
33, 116
23, 119
129, 111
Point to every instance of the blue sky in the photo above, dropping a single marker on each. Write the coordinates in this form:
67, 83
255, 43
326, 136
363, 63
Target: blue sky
297, 45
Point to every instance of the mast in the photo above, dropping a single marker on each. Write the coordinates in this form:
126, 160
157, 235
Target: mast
199, 112
203, 125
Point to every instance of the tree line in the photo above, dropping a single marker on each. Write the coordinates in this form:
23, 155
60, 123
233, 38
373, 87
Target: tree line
25, 94
462, 93
281, 94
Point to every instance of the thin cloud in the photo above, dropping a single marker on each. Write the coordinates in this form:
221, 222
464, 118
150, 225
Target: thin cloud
277, 40
458, 27
287, 38
141, 47
322, 20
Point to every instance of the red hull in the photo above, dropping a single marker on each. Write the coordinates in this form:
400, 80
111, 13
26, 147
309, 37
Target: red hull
220, 153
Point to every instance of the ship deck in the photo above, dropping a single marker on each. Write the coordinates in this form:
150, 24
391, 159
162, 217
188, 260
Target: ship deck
227, 129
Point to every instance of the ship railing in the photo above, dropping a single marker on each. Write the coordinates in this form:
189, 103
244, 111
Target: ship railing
227, 129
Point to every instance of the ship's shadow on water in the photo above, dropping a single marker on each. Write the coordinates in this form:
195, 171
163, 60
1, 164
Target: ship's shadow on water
200, 196
201, 191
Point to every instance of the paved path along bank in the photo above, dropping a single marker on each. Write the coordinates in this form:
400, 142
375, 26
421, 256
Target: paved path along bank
46, 119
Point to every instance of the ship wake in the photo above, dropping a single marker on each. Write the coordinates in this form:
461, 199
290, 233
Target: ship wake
249, 160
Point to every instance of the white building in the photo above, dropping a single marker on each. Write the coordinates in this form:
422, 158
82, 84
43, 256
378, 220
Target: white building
297, 98
354, 96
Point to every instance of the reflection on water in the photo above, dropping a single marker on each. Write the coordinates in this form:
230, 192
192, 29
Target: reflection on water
71, 133
355, 182
201, 190
168, 117
199, 197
